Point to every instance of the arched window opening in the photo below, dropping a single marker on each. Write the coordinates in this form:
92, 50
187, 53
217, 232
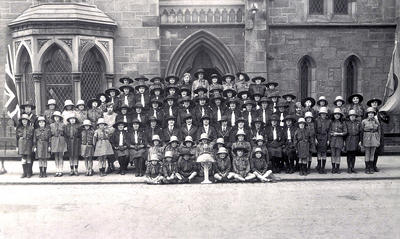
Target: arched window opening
57, 76
92, 77
351, 68
305, 70
28, 88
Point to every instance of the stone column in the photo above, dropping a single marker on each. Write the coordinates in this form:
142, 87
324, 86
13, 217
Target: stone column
76, 79
18, 82
255, 39
37, 80
110, 80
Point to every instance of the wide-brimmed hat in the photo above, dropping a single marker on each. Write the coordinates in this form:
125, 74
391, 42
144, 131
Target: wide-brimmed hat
220, 141
141, 78
303, 101
28, 103
350, 99
136, 121
223, 118
186, 88
119, 123
232, 100
138, 105
156, 137
229, 89
301, 121
228, 75
51, 102
122, 87
105, 95
141, 83
116, 90
41, 118
124, 106
198, 98
212, 76
152, 118
73, 116
257, 120
290, 117
24, 117
217, 89
188, 139
171, 86
274, 94
155, 87
275, 117
68, 103
339, 98
240, 132
101, 121
58, 114
248, 102
246, 77
154, 100
308, 114
258, 150
89, 103
337, 111
156, 78
272, 83
290, 95
186, 99
323, 110
200, 88
204, 117
204, 136
371, 110
240, 119
80, 102
222, 150
322, 98
170, 97
258, 78
130, 80
170, 117
168, 78
87, 122
369, 102
242, 92
198, 72
217, 97
352, 112
265, 99
259, 138
173, 138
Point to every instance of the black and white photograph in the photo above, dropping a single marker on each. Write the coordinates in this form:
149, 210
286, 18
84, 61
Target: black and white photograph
199, 119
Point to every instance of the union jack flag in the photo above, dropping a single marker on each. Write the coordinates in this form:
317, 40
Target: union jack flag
10, 88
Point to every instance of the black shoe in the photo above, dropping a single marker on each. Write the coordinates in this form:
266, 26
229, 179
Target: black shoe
349, 170
338, 168
23, 171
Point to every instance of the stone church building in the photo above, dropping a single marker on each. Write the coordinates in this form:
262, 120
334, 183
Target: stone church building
78, 48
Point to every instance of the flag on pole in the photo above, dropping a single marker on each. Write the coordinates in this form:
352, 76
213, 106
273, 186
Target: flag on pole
10, 88
392, 93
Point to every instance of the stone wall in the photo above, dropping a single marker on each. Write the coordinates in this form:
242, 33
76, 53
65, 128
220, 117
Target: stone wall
360, 11
136, 45
329, 48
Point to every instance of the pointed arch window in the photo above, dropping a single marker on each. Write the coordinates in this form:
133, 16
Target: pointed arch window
351, 75
92, 74
306, 66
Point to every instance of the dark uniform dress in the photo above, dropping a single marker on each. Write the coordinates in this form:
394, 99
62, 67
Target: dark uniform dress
352, 142
259, 165
25, 140
94, 114
274, 144
72, 136
337, 142
289, 148
87, 148
311, 128
187, 167
302, 140
241, 165
170, 168
42, 142
153, 171
322, 127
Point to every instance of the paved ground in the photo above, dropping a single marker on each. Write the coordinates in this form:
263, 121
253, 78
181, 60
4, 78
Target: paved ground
389, 165
327, 209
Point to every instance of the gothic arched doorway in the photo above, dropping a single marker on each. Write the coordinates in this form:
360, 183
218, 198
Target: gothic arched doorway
201, 50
